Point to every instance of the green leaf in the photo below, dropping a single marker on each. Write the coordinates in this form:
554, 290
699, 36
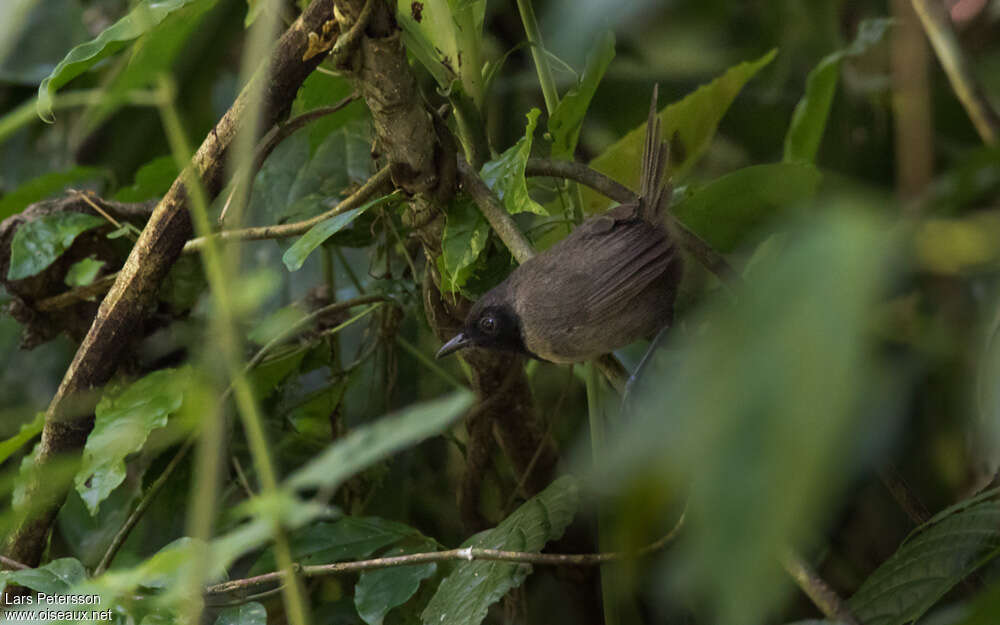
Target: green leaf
772, 447
567, 119
809, 119
27, 432
251, 613
938, 555
466, 232
56, 577
152, 180
348, 538
44, 186
370, 443
505, 175
140, 20
467, 593
123, 421
725, 210
83, 272
442, 35
37, 244
690, 124
380, 590
266, 376
296, 255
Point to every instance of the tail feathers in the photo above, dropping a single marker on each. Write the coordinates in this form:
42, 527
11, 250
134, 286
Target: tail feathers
655, 155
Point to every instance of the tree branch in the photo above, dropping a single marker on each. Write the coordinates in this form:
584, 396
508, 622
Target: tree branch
816, 588
69, 418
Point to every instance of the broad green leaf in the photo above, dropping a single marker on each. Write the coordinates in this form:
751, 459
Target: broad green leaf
370, 443
347, 538
266, 376
725, 210
380, 590
152, 180
37, 244
809, 119
296, 255
689, 124
766, 453
467, 593
45, 186
140, 20
123, 421
27, 432
251, 613
938, 555
444, 35
83, 272
466, 232
56, 577
505, 175
567, 119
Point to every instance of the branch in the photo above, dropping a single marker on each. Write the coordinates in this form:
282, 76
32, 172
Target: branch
937, 25
702, 251
468, 554
498, 217
68, 419
816, 588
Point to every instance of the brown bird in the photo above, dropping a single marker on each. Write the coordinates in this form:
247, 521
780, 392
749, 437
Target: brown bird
608, 283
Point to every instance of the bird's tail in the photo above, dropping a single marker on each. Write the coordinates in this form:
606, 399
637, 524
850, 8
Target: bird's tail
653, 188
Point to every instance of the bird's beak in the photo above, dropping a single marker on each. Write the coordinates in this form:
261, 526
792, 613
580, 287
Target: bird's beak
457, 342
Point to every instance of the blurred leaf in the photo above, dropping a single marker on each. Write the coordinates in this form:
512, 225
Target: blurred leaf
266, 376
184, 284
466, 232
809, 119
32, 51
296, 255
983, 609
761, 409
140, 20
27, 432
254, 7
348, 538
725, 210
938, 555
87, 535
83, 272
152, 180
689, 124
321, 90
277, 323
45, 186
370, 443
467, 593
311, 417
56, 577
251, 613
380, 590
122, 423
505, 175
37, 244
567, 119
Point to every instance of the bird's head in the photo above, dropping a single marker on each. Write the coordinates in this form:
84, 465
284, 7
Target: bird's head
492, 323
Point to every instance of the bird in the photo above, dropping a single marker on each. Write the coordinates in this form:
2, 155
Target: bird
608, 283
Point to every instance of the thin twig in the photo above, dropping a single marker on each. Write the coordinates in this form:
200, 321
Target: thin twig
140, 509
280, 231
13, 564
702, 251
816, 588
468, 554
272, 140
937, 25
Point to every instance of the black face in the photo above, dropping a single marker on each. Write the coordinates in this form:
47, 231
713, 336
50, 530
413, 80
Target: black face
489, 327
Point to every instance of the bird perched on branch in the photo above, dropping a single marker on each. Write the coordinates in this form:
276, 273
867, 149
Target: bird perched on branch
611, 281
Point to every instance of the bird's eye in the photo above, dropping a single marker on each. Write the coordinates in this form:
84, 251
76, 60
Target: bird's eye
489, 325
